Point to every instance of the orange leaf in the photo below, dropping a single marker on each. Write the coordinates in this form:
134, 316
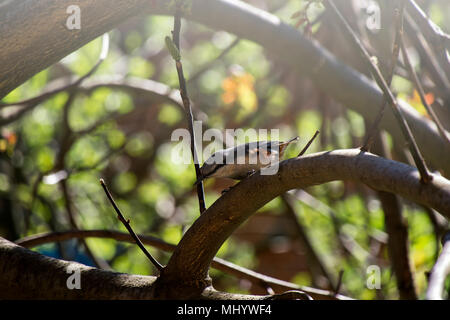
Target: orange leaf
429, 98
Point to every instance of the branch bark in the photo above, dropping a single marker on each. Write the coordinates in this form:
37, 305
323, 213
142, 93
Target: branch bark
217, 263
186, 275
29, 275
191, 259
30, 27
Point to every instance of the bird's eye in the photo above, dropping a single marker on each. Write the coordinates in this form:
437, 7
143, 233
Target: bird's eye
211, 160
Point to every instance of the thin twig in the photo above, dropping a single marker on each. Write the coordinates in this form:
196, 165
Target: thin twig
339, 283
428, 58
126, 223
371, 133
211, 63
434, 35
421, 91
308, 144
418, 159
68, 205
187, 107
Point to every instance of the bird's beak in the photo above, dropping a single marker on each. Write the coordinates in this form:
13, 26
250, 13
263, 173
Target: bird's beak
293, 139
285, 144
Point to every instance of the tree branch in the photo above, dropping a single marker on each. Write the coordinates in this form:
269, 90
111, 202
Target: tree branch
187, 108
398, 24
191, 259
421, 91
217, 263
126, 223
25, 275
435, 36
389, 96
39, 26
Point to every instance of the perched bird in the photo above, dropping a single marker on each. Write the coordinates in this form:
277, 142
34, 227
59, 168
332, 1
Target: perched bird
241, 161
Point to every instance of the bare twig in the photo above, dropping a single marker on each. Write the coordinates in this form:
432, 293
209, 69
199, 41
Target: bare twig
421, 91
68, 205
428, 57
418, 159
398, 24
440, 271
434, 35
126, 223
308, 144
187, 106
339, 283
211, 63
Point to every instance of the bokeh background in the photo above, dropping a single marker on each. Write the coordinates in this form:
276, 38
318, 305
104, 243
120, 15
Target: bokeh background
52, 157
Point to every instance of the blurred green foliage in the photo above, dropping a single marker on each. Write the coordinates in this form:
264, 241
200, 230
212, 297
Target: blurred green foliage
130, 147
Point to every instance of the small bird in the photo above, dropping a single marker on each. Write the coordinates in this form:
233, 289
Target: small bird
241, 161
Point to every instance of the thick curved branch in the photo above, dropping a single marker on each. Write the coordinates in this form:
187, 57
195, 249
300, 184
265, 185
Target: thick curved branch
191, 259
29, 275
30, 27
217, 263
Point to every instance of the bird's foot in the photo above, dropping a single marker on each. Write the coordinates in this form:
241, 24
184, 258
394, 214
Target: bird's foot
250, 173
